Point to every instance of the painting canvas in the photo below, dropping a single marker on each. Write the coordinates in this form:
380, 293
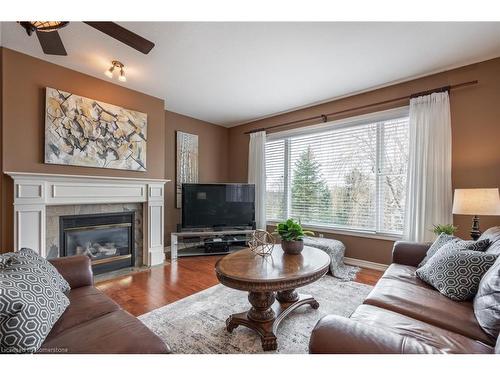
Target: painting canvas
187, 162
84, 132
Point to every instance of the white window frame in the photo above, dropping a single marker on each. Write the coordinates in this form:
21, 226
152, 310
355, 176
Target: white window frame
346, 122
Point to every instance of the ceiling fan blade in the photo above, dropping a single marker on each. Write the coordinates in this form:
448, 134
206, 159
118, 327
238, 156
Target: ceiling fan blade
51, 43
123, 35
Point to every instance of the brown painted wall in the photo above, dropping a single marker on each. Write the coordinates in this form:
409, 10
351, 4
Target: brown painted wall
475, 115
212, 148
24, 79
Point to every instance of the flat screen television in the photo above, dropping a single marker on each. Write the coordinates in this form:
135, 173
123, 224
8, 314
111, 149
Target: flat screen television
218, 206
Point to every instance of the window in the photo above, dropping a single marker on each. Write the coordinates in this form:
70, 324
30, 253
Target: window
349, 174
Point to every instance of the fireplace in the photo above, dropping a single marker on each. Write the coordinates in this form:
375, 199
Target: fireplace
107, 239
40, 199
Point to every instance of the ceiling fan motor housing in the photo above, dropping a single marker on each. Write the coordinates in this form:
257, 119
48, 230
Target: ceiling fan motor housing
43, 26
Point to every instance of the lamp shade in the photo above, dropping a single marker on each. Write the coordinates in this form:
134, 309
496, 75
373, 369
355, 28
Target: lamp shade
476, 202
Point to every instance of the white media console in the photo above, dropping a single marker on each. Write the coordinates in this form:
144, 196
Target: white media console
174, 238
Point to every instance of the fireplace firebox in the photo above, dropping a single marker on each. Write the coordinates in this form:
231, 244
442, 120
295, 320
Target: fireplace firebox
107, 239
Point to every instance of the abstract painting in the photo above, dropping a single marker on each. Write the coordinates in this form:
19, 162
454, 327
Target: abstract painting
187, 163
84, 132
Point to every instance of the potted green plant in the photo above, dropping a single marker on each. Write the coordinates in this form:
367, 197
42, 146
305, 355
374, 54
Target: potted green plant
444, 228
292, 233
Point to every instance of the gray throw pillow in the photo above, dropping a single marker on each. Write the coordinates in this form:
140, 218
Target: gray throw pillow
444, 239
487, 301
492, 234
479, 245
436, 245
5, 259
456, 272
30, 304
31, 256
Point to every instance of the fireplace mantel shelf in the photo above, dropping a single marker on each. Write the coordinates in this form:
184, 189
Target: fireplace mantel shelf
32, 175
34, 191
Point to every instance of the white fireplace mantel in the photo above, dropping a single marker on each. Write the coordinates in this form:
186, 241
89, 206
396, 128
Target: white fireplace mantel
34, 191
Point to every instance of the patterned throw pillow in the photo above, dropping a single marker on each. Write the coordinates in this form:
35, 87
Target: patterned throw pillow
479, 245
487, 301
31, 256
445, 239
30, 304
456, 272
5, 259
442, 239
493, 234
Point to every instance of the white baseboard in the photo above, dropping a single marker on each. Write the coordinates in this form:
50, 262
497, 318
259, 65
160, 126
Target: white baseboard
351, 261
365, 264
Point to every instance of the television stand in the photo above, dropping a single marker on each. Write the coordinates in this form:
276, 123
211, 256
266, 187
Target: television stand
210, 239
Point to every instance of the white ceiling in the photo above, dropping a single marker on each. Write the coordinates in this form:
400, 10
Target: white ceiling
231, 73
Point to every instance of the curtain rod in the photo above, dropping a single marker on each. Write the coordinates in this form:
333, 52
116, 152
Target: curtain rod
324, 118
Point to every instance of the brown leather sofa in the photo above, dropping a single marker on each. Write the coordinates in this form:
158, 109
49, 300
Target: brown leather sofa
403, 315
93, 323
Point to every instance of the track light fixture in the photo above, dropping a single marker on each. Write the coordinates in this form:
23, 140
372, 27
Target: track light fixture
118, 66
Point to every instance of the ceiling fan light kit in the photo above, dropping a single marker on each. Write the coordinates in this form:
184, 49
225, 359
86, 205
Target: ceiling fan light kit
42, 26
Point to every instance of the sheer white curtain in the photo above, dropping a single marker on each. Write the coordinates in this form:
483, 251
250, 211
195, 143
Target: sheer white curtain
428, 190
257, 175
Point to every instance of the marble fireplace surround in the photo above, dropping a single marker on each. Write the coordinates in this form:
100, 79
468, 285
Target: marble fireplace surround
35, 192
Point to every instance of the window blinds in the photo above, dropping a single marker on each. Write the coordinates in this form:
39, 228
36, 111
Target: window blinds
347, 177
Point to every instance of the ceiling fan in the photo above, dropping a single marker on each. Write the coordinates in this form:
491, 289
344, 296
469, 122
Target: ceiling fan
51, 42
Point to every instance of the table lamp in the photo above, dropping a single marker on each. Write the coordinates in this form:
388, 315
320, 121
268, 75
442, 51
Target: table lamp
476, 202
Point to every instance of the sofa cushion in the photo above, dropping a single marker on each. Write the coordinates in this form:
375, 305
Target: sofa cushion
30, 303
86, 303
456, 272
405, 274
114, 333
487, 301
427, 305
443, 340
335, 334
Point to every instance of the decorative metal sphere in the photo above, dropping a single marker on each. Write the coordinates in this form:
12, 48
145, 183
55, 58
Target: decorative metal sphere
262, 242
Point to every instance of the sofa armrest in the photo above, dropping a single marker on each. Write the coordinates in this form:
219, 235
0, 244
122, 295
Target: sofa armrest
75, 269
339, 335
409, 253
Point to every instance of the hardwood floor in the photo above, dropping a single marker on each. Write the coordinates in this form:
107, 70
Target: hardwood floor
144, 291
368, 276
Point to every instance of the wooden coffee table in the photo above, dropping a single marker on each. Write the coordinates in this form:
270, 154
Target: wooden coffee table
271, 282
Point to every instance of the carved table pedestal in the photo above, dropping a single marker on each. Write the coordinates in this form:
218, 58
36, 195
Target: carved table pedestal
271, 282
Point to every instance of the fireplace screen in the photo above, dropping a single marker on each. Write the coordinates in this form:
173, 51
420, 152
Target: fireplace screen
107, 239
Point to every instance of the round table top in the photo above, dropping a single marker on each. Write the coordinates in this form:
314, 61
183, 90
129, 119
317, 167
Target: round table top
246, 270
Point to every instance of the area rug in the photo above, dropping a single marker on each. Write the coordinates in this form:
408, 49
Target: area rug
196, 324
